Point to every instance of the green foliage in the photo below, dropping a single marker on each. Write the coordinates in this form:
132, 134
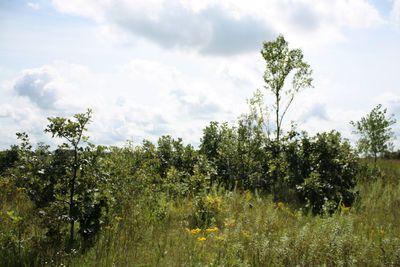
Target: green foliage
282, 63
20, 232
318, 173
83, 192
375, 132
207, 209
252, 230
239, 154
146, 208
323, 171
8, 158
66, 186
173, 153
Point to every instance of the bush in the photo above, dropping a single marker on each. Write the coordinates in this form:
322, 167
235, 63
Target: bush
322, 171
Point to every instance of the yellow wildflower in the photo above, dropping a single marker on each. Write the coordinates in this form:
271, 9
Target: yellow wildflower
195, 231
229, 222
344, 208
201, 238
212, 229
220, 238
248, 195
245, 234
213, 202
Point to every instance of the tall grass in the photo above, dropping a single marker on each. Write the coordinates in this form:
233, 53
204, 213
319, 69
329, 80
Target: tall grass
251, 230
243, 229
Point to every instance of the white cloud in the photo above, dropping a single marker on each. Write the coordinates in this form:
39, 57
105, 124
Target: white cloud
196, 106
240, 74
56, 86
317, 111
34, 6
227, 27
141, 100
391, 101
170, 66
39, 86
395, 12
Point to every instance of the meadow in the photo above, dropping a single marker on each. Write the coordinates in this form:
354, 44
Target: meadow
252, 230
246, 228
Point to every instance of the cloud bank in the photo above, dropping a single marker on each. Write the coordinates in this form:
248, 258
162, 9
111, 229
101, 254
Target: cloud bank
227, 27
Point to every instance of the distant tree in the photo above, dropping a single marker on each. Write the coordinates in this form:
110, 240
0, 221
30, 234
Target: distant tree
375, 132
173, 153
282, 63
8, 158
252, 138
219, 146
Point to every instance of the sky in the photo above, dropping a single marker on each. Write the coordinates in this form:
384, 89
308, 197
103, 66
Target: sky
155, 67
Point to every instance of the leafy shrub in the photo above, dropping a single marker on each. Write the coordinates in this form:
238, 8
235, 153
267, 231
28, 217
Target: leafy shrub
20, 231
65, 186
323, 171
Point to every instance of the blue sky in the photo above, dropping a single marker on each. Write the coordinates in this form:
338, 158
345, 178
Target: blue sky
155, 67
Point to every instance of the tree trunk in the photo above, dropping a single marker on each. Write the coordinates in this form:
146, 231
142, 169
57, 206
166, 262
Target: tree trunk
71, 197
278, 130
276, 186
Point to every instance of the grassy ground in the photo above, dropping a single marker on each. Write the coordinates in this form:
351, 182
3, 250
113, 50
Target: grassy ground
244, 229
249, 230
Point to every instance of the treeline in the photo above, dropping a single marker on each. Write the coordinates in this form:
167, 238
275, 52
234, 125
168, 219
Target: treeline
391, 155
310, 170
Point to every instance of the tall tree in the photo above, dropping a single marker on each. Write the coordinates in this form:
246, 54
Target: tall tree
375, 132
282, 63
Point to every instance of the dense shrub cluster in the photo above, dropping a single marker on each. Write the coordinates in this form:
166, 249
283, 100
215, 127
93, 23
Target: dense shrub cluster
319, 171
315, 173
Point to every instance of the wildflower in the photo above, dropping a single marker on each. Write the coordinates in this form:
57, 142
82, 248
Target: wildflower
220, 238
245, 234
201, 238
213, 202
248, 195
229, 222
344, 208
212, 229
195, 231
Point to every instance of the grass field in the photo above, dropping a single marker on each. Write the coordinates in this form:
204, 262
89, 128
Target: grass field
251, 230
244, 229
